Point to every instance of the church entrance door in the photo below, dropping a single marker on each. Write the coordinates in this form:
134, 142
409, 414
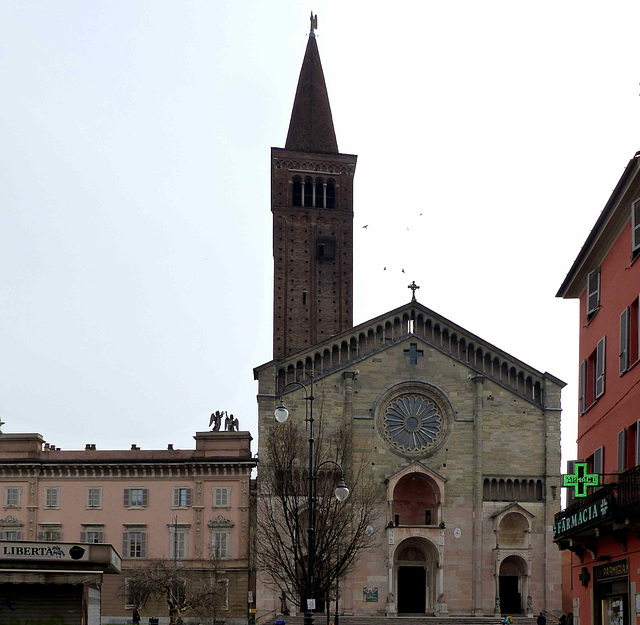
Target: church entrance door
412, 589
415, 567
510, 602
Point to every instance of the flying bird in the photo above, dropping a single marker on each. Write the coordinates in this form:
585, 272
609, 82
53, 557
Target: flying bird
366, 226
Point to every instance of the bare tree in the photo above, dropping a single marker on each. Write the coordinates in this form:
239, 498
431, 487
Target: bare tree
198, 593
342, 530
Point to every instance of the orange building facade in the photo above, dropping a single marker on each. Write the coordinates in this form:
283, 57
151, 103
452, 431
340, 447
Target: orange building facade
601, 529
176, 505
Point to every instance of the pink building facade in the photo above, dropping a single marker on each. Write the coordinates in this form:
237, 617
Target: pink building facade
169, 504
601, 529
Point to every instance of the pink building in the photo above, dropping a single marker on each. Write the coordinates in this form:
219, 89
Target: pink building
149, 504
601, 528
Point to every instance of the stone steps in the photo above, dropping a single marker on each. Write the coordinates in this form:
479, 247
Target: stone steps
417, 619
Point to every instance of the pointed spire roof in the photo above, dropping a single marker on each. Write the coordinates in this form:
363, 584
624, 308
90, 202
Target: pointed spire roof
311, 126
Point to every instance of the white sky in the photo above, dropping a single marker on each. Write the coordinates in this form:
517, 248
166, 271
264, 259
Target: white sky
135, 224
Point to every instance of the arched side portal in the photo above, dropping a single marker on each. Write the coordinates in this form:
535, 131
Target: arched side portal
512, 589
415, 574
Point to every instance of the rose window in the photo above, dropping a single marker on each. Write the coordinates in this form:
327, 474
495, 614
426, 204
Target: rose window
412, 423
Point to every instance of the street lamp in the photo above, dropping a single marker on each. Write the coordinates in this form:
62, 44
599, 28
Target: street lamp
342, 492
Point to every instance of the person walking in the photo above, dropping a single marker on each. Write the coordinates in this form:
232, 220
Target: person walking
136, 616
541, 620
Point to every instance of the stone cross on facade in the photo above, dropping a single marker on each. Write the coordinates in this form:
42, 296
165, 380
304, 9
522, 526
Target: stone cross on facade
414, 353
414, 287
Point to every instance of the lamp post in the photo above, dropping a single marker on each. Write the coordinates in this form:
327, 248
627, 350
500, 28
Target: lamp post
342, 492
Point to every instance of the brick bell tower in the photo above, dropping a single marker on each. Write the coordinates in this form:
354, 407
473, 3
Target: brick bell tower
312, 206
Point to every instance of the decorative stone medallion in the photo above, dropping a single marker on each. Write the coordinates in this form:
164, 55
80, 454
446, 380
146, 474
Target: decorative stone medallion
412, 418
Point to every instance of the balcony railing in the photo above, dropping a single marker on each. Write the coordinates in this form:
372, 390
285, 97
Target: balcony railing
629, 489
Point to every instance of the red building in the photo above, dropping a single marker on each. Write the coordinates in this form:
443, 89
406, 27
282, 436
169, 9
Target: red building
602, 529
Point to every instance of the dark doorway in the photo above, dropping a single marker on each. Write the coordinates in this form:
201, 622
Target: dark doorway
510, 602
412, 589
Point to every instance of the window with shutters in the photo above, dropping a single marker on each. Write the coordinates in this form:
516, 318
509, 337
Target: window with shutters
10, 534
221, 543
92, 533
179, 541
593, 292
629, 337
50, 532
595, 463
221, 496
592, 376
181, 497
635, 228
11, 528
94, 497
52, 497
134, 542
12, 496
136, 497
622, 450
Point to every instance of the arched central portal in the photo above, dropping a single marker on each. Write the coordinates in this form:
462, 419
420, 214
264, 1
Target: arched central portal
415, 564
513, 572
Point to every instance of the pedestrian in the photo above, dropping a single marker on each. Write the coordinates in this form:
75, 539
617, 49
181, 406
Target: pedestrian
541, 620
570, 618
563, 620
136, 616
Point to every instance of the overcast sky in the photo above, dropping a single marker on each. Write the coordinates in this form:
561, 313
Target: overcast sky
135, 224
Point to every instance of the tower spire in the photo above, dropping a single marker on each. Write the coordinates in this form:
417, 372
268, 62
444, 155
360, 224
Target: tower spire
311, 126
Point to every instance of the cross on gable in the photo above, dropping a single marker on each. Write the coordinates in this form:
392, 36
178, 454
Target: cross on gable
580, 480
584, 576
414, 287
414, 353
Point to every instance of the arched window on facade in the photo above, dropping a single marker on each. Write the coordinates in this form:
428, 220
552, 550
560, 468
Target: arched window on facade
415, 501
331, 195
319, 198
297, 192
308, 192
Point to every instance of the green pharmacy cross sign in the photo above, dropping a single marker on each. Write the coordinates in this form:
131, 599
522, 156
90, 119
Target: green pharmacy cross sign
580, 480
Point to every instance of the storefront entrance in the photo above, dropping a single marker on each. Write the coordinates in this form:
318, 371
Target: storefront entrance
611, 589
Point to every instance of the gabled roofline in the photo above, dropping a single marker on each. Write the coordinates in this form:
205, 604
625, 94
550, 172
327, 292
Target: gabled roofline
570, 287
399, 310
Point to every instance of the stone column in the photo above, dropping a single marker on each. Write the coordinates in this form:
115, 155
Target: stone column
477, 496
349, 377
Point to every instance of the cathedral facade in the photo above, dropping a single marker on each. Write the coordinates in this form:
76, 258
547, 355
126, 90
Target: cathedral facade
461, 438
